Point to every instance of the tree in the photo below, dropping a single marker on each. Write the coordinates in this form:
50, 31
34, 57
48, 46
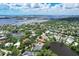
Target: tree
15, 51
12, 38
46, 52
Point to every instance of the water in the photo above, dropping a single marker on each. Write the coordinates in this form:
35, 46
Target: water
10, 21
18, 22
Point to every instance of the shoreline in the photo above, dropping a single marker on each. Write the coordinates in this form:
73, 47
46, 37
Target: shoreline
19, 22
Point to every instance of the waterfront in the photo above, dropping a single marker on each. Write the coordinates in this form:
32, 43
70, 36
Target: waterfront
33, 36
19, 22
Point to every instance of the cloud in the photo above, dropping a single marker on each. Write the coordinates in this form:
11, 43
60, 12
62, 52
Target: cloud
41, 9
71, 5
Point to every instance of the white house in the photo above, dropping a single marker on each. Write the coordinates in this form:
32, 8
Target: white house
57, 37
6, 52
38, 46
28, 53
69, 40
47, 32
33, 33
2, 35
8, 44
75, 44
17, 44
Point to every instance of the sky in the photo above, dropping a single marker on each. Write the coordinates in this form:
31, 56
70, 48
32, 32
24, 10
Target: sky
39, 8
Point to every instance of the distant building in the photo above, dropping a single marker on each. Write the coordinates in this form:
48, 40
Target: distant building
28, 53
38, 46
2, 37
8, 44
6, 52
69, 40
17, 34
17, 44
75, 44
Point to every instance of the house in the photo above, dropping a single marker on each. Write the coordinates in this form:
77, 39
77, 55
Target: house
6, 52
75, 44
47, 32
25, 40
17, 44
70, 39
41, 39
44, 36
8, 44
57, 37
17, 34
2, 37
28, 53
33, 33
38, 46
3, 32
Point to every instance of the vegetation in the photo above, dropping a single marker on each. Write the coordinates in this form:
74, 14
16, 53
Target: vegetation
51, 31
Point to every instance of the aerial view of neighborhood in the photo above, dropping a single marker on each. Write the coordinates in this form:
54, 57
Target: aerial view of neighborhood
39, 29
